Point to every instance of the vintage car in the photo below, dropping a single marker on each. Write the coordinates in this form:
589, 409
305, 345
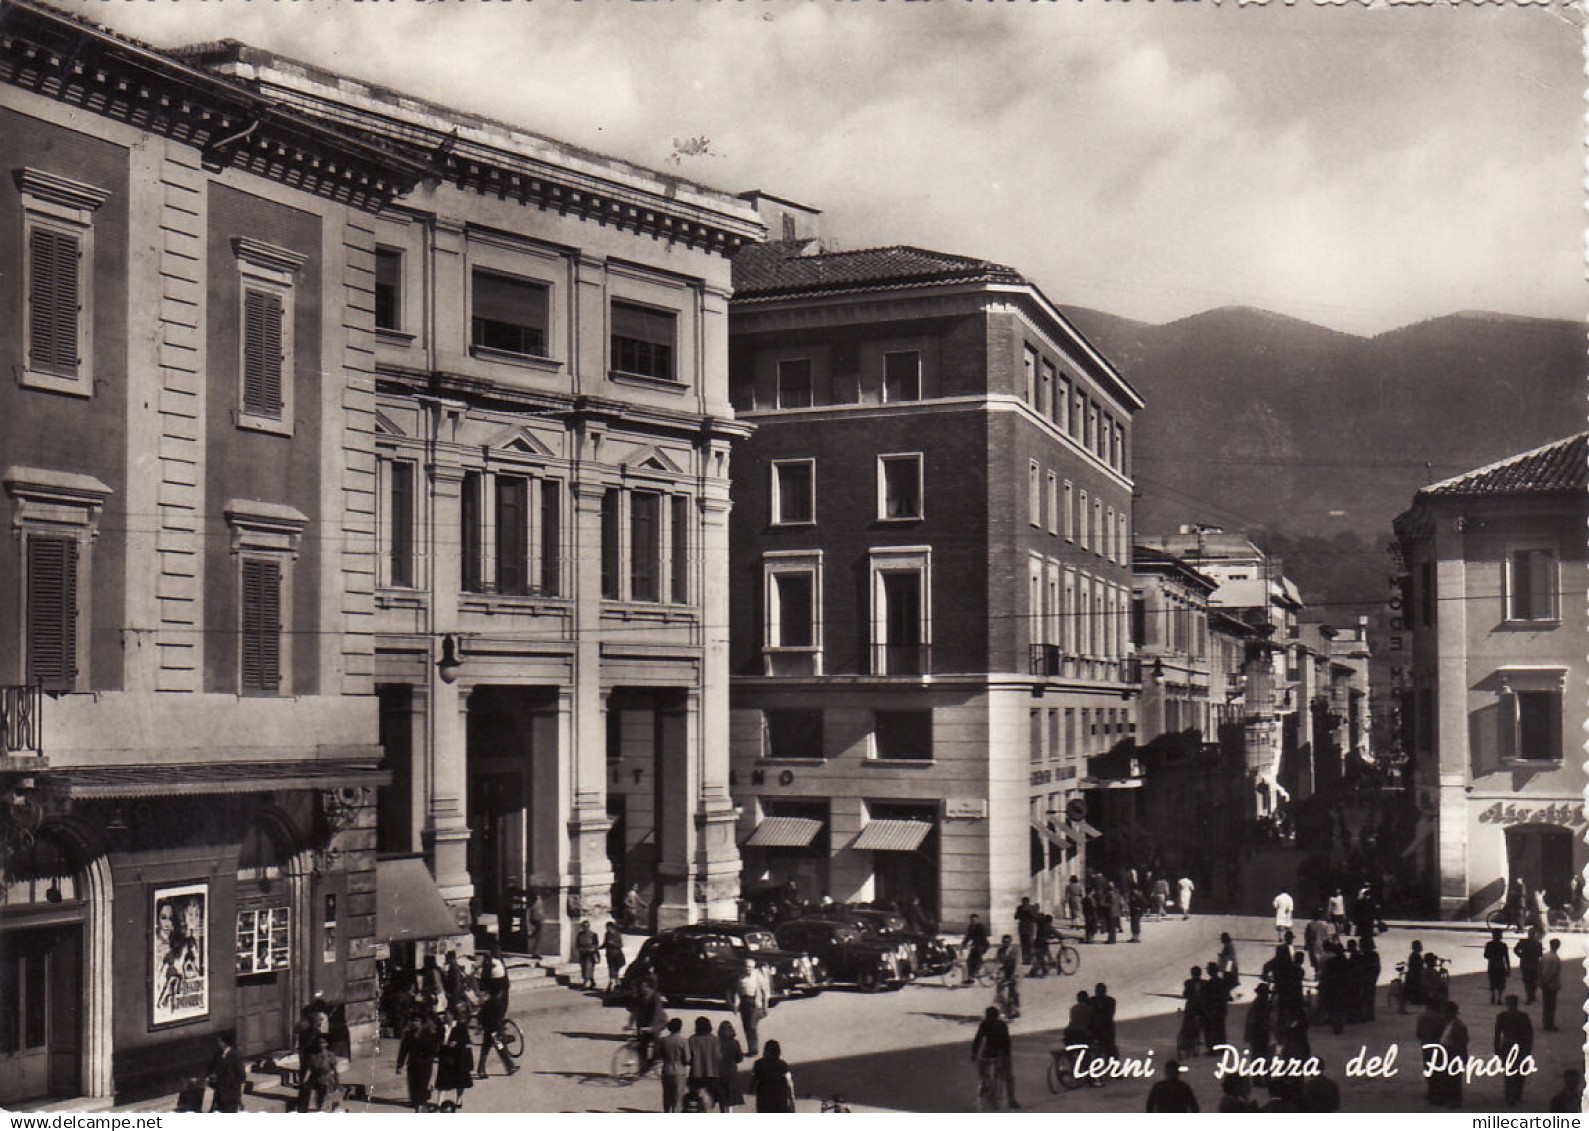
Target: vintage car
707, 965
924, 954
791, 971
846, 954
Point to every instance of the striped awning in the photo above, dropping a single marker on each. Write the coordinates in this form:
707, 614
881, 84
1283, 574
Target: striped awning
784, 832
892, 836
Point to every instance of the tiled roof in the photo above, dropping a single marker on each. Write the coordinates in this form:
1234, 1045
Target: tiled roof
779, 268
1559, 466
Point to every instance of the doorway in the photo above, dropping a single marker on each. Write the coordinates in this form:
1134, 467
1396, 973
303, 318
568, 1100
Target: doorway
40, 988
1541, 856
264, 939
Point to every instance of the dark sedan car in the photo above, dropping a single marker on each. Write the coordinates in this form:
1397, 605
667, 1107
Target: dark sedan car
687, 966
847, 954
792, 971
925, 954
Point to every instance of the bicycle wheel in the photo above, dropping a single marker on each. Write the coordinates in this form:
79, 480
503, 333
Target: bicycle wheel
987, 975
954, 975
626, 1062
1069, 959
511, 1037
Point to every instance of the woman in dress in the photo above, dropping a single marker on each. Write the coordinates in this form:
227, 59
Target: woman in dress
418, 1051
772, 1081
455, 1062
729, 1060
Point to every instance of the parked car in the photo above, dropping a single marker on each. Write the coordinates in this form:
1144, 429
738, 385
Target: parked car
687, 966
767, 904
792, 971
847, 954
924, 954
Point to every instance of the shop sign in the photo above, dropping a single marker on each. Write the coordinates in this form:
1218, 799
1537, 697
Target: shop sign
179, 952
1561, 813
1042, 777
965, 808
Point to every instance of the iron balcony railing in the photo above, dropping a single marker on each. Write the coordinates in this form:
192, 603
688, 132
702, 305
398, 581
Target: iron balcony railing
21, 720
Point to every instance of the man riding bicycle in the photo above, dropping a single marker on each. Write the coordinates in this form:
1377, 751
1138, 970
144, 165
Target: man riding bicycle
649, 1019
1008, 962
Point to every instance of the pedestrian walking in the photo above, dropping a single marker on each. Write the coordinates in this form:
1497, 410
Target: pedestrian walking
1073, 894
494, 1010
455, 1060
1259, 1031
1089, 915
452, 980
975, 945
226, 1076
1026, 928
1337, 911
1186, 887
1454, 1039
1192, 1009
1103, 1021
534, 919
1228, 968
1549, 985
1161, 897
1530, 951
1008, 959
612, 947
1172, 1095
418, 1050
772, 1081
1135, 906
1282, 905
992, 1052
1111, 913
1497, 965
1513, 1031
1314, 937
634, 908
587, 949
673, 1050
751, 1002
1214, 1006
1042, 955
321, 1085
730, 1057
706, 1064
1366, 912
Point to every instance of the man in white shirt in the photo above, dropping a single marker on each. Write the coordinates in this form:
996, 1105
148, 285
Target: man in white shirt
1282, 916
1186, 888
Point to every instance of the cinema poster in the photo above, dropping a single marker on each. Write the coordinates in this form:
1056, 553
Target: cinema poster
179, 952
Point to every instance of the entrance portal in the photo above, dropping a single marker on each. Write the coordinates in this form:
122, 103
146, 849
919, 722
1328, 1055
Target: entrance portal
1541, 856
41, 947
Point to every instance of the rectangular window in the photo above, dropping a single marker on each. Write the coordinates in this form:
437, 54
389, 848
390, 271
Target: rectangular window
793, 734
645, 546
1531, 585
794, 620
1052, 396
1029, 372
610, 537
1070, 731
1084, 517
388, 288
469, 511
903, 736
793, 492
901, 486
1106, 438
509, 315
1538, 726
1062, 403
1426, 593
1034, 494
902, 376
513, 534
1111, 551
400, 500
261, 642
794, 383
1077, 415
679, 524
54, 268
1098, 528
1120, 447
262, 353
551, 537
52, 612
642, 341
1070, 512
1053, 734
902, 621
1139, 621
1053, 503
1034, 735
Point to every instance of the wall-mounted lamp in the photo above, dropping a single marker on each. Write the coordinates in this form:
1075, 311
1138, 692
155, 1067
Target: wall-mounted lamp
449, 665
1158, 671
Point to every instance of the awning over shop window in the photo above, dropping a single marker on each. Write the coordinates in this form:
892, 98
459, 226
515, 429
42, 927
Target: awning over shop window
1054, 832
784, 832
1083, 829
407, 904
892, 836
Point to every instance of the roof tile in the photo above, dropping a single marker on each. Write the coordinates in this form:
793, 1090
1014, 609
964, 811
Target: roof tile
1559, 466
780, 268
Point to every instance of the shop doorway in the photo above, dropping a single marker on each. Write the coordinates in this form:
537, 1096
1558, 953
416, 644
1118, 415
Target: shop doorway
41, 978
265, 1009
512, 770
903, 840
1541, 856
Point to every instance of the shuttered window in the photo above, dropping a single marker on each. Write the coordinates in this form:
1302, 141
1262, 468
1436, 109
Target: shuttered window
262, 353
52, 612
551, 537
645, 546
680, 579
642, 341
469, 512
609, 544
401, 500
53, 302
261, 645
513, 534
1533, 585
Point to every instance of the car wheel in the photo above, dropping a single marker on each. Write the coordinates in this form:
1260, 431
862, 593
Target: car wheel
869, 981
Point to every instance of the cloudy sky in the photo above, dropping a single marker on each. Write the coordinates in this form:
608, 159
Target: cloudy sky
1358, 167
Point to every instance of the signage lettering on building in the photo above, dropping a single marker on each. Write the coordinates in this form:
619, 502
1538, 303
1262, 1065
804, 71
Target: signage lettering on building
965, 808
1066, 772
1042, 777
1561, 813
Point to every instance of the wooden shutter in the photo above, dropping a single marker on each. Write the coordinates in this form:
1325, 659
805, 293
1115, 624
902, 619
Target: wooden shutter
262, 353
402, 503
645, 546
679, 582
261, 659
609, 544
469, 513
512, 534
551, 537
53, 263
52, 612
1541, 584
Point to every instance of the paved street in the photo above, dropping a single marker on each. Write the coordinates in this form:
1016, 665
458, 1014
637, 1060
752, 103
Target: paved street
910, 1050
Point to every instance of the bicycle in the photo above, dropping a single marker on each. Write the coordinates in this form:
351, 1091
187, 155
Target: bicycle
987, 1084
508, 1038
630, 1061
1005, 1000
1506, 918
835, 1103
1062, 1071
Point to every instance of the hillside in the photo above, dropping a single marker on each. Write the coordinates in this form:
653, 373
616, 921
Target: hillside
1258, 421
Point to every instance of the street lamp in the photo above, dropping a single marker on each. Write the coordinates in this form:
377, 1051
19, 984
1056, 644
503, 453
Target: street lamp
449, 665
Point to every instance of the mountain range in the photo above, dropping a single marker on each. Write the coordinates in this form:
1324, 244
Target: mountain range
1312, 440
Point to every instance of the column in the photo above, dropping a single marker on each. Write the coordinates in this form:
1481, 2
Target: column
447, 714
717, 856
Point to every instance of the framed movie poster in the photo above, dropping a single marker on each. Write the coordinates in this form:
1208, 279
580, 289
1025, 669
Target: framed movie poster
180, 990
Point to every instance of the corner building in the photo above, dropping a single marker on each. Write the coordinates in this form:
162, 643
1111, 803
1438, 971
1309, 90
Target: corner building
552, 434
931, 575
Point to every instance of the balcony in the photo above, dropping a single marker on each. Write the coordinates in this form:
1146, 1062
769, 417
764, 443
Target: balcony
21, 722
1047, 660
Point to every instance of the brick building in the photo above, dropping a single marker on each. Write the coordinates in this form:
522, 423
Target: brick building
931, 581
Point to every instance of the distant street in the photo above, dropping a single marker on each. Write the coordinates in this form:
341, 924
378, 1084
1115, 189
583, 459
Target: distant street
910, 1050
